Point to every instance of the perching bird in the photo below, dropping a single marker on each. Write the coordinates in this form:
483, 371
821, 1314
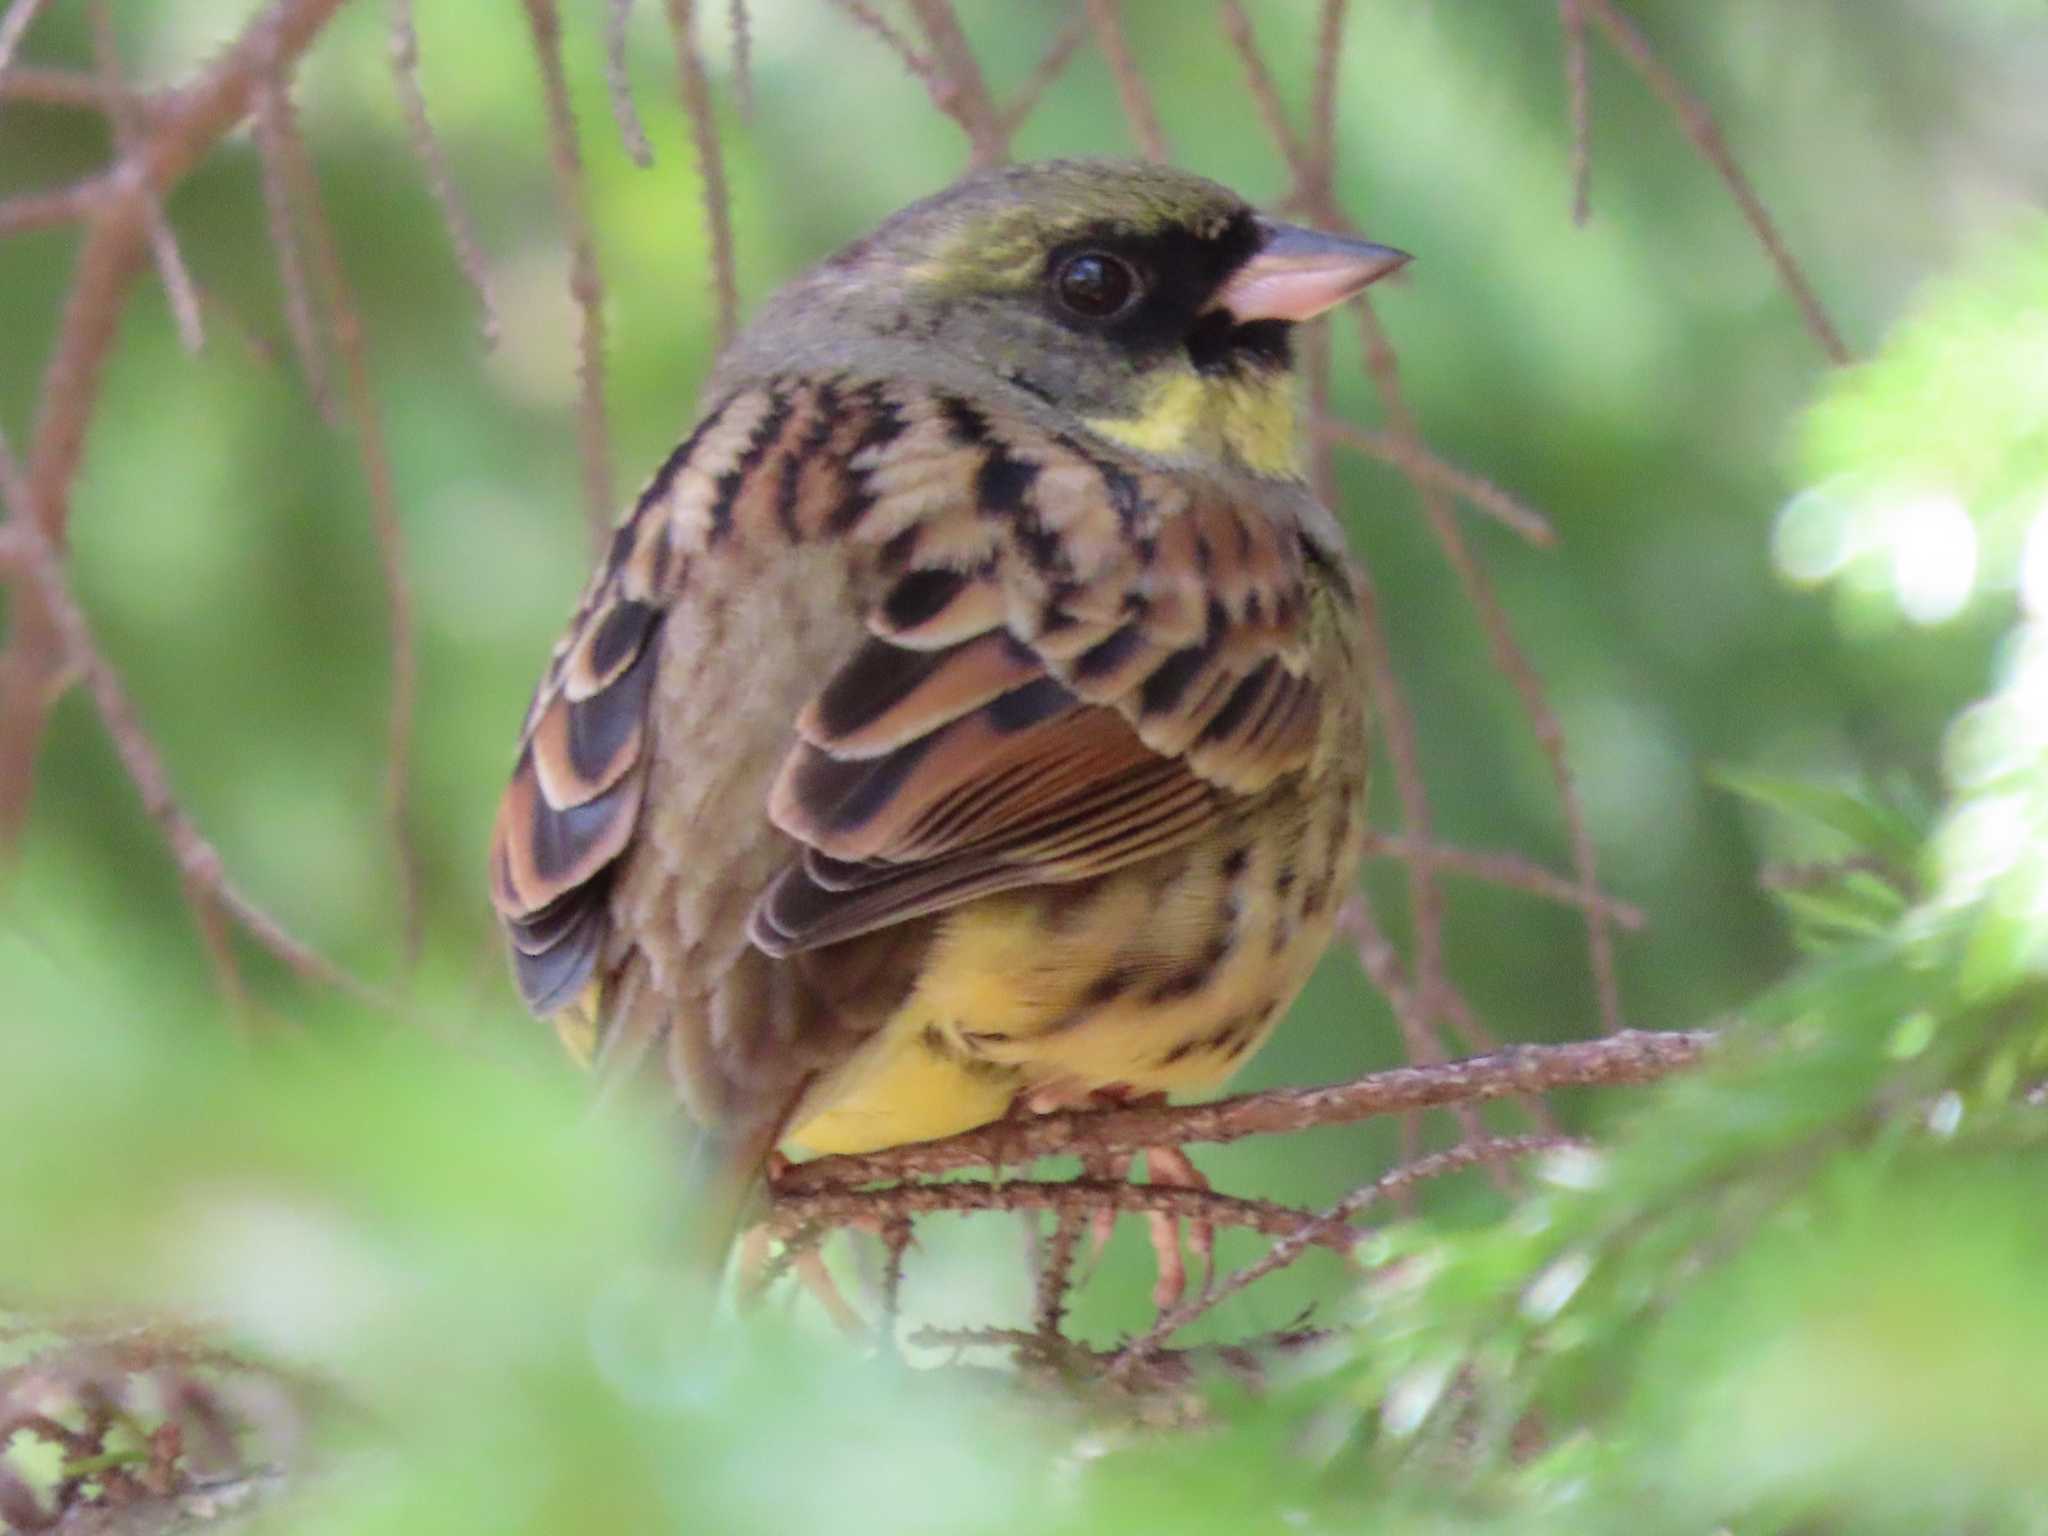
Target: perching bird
970, 712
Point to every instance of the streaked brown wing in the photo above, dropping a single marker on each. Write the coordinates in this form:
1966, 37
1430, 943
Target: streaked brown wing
574, 798
1073, 665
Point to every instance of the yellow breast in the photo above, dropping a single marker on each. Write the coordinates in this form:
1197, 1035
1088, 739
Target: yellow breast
1165, 977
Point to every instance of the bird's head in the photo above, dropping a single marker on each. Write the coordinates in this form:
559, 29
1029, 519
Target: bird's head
1149, 306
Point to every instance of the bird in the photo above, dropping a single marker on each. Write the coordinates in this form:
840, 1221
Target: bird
969, 716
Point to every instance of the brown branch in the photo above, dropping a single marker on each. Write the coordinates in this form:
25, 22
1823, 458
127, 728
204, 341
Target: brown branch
1106, 18
128, 132
1513, 664
618, 82
346, 327
1425, 1047
742, 27
1571, 18
49, 87
1699, 127
1322, 132
272, 122
1161, 1371
1633, 1056
868, 19
834, 1207
433, 159
1506, 869
696, 94
46, 210
1050, 66
1237, 28
1056, 1273
1338, 1220
199, 863
14, 27
586, 287
956, 84
1415, 460
191, 122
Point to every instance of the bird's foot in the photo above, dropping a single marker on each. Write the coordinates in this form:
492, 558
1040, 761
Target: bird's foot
1165, 1166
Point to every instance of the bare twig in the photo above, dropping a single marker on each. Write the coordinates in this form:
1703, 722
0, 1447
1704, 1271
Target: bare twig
1699, 126
618, 81
791, 1213
593, 436
1418, 462
1425, 1047
1322, 112
191, 122
199, 863
871, 20
46, 210
1338, 1219
696, 93
433, 159
14, 27
1051, 65
1056, 1272
128, 130
49, 87
1106, 18
742, 57
1237, 28
1505, 869
957, 87
271, 126
1571, 17
1633, 1056
347, 329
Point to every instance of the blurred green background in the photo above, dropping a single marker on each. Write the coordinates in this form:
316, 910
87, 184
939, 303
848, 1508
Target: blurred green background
1644, 379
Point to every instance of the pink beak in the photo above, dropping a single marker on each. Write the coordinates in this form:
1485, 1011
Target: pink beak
1298, 273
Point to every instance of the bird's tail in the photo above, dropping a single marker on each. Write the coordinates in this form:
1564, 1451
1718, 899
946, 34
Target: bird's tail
722, 1182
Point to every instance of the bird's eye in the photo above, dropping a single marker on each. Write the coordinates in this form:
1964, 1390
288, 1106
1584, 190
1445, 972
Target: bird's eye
1095, 284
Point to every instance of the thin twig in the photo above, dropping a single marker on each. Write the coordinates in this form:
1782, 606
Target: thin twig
387, 529
433, 159
128, 132
270, 123
1237, 28
742, 27
618, 82
72, 204
1418, 462
43, 86
585, 285
791, 1213
192, 120
1699, 126
1056, 1272
1106, 17
871, 20
957, 87
14, 27
1322, 114
31, 667
199, 863
1571, 17
1338, 1219
1513, 664
1633, 1056
696, 94
1505, 869
1425, 1047
1050, 66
